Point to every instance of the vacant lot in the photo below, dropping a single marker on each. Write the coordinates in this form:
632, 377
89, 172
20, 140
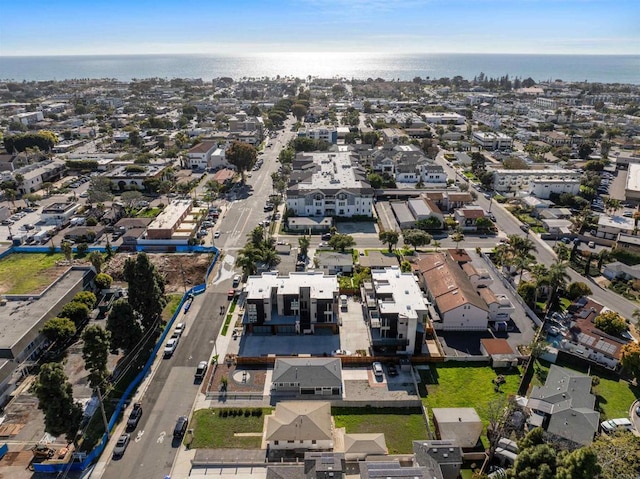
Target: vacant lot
466, 385
218, 428
613, 397
400, 426
181, 271
27, 273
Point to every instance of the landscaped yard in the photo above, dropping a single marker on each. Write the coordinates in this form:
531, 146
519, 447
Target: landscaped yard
24, 273
614, 398
212, 429
400, 426
466, 385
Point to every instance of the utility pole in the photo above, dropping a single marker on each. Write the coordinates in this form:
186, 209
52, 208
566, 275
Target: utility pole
104, 415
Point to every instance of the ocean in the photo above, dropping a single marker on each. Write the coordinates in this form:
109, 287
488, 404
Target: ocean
592, 68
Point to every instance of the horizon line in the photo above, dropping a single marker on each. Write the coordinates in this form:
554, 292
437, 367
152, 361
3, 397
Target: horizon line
333, 52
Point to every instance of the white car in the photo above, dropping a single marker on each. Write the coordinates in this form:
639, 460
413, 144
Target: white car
179, 329
377, 368
216, 234
170, 347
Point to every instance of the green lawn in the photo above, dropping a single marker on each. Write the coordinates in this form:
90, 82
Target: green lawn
212, 430
171, 307
148, 213
400, 426
23, 273
466, 385
614, 397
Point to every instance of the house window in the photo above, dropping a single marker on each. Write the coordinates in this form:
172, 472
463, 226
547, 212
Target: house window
313, 441
275, 443
291, 442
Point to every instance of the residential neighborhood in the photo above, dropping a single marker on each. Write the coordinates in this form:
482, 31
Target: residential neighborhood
347, 278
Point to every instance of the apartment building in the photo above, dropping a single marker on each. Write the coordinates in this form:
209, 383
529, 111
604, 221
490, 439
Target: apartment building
544, 188
299, 303
492, 141
513, 181
165, 225
397, 311
329, 184
319, 133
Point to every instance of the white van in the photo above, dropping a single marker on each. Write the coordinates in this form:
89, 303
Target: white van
613, 425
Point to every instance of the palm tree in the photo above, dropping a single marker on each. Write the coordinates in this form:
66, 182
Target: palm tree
521, 263
246, 260
437, 245
562, 251
558, 279
270, 257
457, 237
521, 246
304, 243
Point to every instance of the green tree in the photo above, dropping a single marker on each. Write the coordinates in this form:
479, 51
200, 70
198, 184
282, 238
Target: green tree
62, 414
416, 237
375, 180
95, 352
611, 323
146, 288
557, 278
86, 297
577, 290
536, 462
81, 249
103, 281
341, 242
389, 238
124, 327
130, 199
246, 260
527, 291
630, 359
243, 156
97, 260
303, 244
67, 250
618, 456
59, 330
76, 312
578, 464
299, 110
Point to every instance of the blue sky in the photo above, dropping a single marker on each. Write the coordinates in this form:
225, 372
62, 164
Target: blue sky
68, 27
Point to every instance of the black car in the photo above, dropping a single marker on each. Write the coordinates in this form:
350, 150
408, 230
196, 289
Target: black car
326, 236
392, 370
134, 417
181, 427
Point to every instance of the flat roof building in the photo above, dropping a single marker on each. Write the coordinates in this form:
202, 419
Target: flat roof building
22, 317
168, 221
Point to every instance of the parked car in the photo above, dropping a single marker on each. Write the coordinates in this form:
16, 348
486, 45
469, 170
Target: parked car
524, 228
201, 370
326, 236
180, 327
231, 293
181, 427
216, 234
236, 281
392, 370
170, 347
134, 417
341, 352
377, 369
591, 244
121, 445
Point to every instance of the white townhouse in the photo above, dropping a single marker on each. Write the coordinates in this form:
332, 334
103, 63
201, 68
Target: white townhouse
330, 185
512, 181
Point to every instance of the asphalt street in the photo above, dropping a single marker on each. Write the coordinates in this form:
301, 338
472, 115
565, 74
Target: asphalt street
171, 391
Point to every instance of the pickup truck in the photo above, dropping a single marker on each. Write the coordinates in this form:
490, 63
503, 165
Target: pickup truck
134, 417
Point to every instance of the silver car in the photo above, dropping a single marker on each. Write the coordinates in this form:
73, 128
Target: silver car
121, 445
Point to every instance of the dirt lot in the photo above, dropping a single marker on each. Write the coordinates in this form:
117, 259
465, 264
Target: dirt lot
238, 382
174, 267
